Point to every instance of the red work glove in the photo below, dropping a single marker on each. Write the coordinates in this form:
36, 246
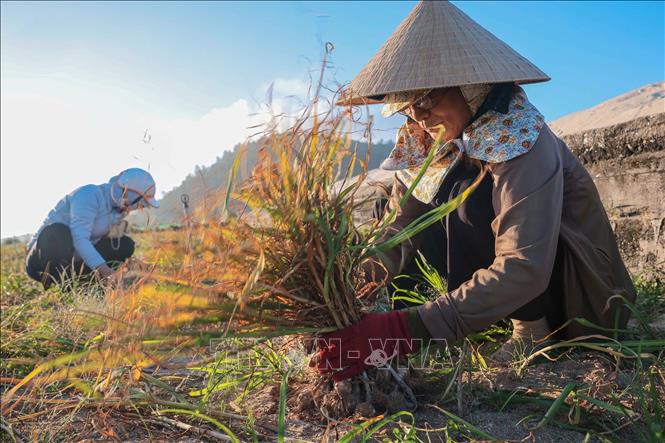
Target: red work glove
374, 341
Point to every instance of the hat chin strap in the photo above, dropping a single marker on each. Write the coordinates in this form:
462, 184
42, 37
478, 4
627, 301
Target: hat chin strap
123, 203
118, 204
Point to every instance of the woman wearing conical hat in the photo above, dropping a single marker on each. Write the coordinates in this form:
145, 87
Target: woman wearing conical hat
532, 243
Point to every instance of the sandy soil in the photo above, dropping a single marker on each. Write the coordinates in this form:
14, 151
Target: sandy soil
647, 100
482, 397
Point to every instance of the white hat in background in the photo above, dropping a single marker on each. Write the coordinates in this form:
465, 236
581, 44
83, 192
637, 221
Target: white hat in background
139, 181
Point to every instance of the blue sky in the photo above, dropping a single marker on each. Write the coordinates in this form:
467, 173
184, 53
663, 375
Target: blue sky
81, 81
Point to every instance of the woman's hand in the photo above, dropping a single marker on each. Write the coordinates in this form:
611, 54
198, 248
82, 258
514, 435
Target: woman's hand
373, 341
105, 271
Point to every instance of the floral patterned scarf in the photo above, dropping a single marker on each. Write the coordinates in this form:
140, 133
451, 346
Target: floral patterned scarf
492, 138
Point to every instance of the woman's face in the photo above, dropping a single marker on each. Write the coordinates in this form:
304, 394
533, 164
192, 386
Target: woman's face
447, 107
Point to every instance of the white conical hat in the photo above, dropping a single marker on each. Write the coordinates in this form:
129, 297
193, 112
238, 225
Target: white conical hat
437, 46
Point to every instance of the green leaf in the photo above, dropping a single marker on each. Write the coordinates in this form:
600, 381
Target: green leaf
556, 405
281, 418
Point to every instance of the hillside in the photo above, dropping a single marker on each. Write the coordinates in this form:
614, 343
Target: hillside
640, 102
207, 180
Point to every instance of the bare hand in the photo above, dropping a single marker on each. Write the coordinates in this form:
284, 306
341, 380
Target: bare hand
105, 271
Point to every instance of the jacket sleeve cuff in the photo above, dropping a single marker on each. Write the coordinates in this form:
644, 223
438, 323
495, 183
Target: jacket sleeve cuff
416, 325
439, 317
95, 263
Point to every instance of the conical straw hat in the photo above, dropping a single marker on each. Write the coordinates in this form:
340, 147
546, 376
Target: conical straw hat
437, 46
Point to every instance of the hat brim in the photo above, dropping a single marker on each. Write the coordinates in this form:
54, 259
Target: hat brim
153, 203
348, 100
393, 105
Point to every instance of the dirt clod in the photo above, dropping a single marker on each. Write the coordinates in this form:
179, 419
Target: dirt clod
344, 388
305, 400
333, 405
365, 409
396, 402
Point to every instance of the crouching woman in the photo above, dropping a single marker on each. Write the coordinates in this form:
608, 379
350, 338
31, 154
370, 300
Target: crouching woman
532, 243
85, 232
